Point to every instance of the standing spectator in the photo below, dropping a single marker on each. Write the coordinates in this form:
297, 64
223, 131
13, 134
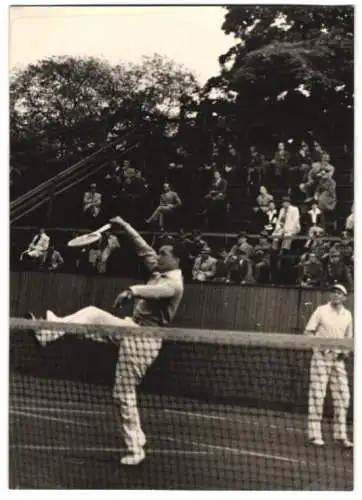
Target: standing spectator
326, 192
92, 201
336, 270
132, 192
204, 266
281, 162
36, 252
311, 271
272, 217
255, 169
53, 260
264, 198
287, 226
169, 201
314, 219
350, 221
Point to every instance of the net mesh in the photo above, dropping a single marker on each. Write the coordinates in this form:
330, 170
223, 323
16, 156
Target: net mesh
217, 409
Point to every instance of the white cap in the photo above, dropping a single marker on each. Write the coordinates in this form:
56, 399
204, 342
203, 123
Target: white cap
340, 288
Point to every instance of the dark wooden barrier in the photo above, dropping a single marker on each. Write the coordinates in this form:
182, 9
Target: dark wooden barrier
263, 376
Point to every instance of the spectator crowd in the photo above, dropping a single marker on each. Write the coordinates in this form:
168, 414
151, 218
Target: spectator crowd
291, 234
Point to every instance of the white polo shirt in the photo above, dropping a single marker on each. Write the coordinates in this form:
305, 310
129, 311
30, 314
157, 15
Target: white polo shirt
327, 321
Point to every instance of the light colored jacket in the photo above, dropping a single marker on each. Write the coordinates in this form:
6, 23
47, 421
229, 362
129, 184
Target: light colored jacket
41, 247
204, 269
291, 225
156, 302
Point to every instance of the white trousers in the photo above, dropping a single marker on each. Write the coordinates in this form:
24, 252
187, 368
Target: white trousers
324, 369
135, 355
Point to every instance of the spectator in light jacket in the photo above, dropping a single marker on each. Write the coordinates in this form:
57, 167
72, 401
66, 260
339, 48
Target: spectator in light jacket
169, 200
204, 266
38, 247
92, 201
287, 226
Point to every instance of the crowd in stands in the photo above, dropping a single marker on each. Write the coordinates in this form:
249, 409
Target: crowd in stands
288, 215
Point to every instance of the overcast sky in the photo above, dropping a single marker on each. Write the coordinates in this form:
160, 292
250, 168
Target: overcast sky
192, 36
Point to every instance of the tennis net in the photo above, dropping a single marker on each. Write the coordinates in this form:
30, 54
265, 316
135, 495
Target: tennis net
220, 410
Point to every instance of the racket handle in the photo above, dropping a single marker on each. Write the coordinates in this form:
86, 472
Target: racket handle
103, 228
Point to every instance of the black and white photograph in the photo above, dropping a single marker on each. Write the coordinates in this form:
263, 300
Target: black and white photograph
181, 247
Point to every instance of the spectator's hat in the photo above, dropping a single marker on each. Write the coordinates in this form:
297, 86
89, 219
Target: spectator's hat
93, 185
206, 250
339, 288
242, 234
286, 198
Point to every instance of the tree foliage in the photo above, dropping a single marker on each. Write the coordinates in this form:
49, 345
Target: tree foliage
290, 70
62, 108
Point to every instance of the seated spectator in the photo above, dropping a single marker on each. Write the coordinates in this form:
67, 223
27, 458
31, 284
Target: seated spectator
36, 252
302, 164
169, 201
204, 266
272, 217
197, 243
222, 267
317, 245
336, 271
53, 260
92, 201
216, 196
325, 165
317, 152
346, 247
239, 267
309, 187
264, 198
257, 220
326, 192
350, 221
287, 226
311, 271
314, 219
261, 266
241, 244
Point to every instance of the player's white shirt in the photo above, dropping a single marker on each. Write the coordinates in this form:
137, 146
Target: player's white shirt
327, 321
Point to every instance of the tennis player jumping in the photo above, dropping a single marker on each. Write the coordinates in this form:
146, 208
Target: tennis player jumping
155, 304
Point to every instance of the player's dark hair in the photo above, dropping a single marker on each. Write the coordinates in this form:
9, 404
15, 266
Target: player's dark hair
178, 250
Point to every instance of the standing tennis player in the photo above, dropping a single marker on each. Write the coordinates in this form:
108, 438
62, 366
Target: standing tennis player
331, 320
155, 304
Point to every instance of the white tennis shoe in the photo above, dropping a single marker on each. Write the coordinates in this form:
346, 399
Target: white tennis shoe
134, 458
316, 442
45, 336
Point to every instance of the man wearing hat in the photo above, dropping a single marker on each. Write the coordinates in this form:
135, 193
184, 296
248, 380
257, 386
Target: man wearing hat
287, 226
204, 266
331, 320
92, 201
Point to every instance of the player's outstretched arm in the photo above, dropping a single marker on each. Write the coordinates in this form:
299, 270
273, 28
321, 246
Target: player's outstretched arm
143, 249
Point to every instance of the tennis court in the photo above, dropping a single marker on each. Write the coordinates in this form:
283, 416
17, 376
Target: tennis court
63, 434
